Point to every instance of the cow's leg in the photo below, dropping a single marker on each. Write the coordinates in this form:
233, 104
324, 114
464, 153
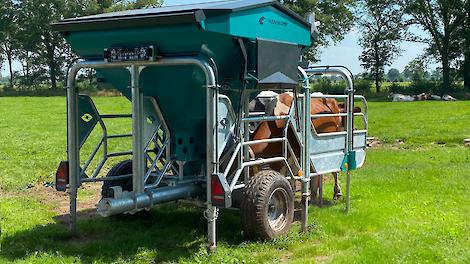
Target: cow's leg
338, 194
314, 186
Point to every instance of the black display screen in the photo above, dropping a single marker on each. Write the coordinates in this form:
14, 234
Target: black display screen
129, 54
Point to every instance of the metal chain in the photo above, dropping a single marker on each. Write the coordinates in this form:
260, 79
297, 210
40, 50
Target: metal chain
207, 213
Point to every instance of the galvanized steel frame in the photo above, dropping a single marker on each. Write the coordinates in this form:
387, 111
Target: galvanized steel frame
212, 159
350, 97
137, 118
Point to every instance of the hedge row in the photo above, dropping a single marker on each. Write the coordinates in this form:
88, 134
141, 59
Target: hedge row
367, 87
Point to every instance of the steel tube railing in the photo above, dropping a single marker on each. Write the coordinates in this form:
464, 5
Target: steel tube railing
120, 177
119, 136
350, 105
72, 116
157, 158
116, 116
252, 163
268, 140
264, 118
159, 177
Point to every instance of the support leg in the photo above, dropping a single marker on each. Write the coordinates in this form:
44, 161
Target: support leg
347, 191
313, 190
304, 215
306, 162
73, 210
73, 151
211, 215
320, 190
138, 160
211, 163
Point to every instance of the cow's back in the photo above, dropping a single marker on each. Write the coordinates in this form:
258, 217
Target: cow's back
280, 106
318, 106
325, 106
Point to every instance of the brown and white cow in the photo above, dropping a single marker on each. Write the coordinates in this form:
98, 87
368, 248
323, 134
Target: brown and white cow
280, 106
274, 129
448, 97
401, 97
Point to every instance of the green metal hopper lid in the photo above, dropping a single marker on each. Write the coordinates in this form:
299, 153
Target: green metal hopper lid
168, 15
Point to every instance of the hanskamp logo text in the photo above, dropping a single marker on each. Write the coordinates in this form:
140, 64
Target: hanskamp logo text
263, 20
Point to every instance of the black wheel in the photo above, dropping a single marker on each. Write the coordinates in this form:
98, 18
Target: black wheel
267, 206
122, 168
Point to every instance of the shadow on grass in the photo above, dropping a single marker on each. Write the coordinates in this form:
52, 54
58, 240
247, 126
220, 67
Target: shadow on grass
167, 233
314, 205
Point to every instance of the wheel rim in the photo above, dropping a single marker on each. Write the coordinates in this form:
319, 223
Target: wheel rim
277, 209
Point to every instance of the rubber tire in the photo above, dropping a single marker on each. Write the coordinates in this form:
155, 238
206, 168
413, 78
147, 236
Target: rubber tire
255, 210
122, 168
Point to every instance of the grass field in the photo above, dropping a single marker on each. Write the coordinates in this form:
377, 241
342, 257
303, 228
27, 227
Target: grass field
409, 203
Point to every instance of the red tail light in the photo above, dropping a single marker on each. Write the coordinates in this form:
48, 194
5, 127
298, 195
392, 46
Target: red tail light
220, 191
217, 190
62, 176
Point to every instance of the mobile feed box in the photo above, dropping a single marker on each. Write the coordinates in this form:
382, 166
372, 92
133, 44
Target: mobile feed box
190, 72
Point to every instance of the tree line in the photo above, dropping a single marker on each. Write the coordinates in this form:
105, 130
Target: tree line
26, 35
385, 24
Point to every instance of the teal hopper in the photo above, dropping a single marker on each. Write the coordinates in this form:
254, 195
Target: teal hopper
215, 32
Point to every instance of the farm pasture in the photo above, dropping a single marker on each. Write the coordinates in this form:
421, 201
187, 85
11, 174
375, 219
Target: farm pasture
409, 203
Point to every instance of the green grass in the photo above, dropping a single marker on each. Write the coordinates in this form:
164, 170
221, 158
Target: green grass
409, 202
420, 124
34, 138
32, 141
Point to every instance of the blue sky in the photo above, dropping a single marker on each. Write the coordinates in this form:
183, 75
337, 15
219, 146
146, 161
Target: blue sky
347, 52
344, 53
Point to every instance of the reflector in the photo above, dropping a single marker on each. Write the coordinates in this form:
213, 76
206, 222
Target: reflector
217, 190
62, 176
221, 196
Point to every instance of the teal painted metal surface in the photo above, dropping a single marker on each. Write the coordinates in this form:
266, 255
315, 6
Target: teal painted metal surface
207, 34
268, 23
168, 39
349, 162
89, 117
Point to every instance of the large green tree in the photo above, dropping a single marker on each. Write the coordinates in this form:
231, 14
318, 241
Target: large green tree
2, 26
465, 50
44, 50
442, 19
47, 47
105, 6
382, 30
415, 70
8, 31
335, 17
394, 74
